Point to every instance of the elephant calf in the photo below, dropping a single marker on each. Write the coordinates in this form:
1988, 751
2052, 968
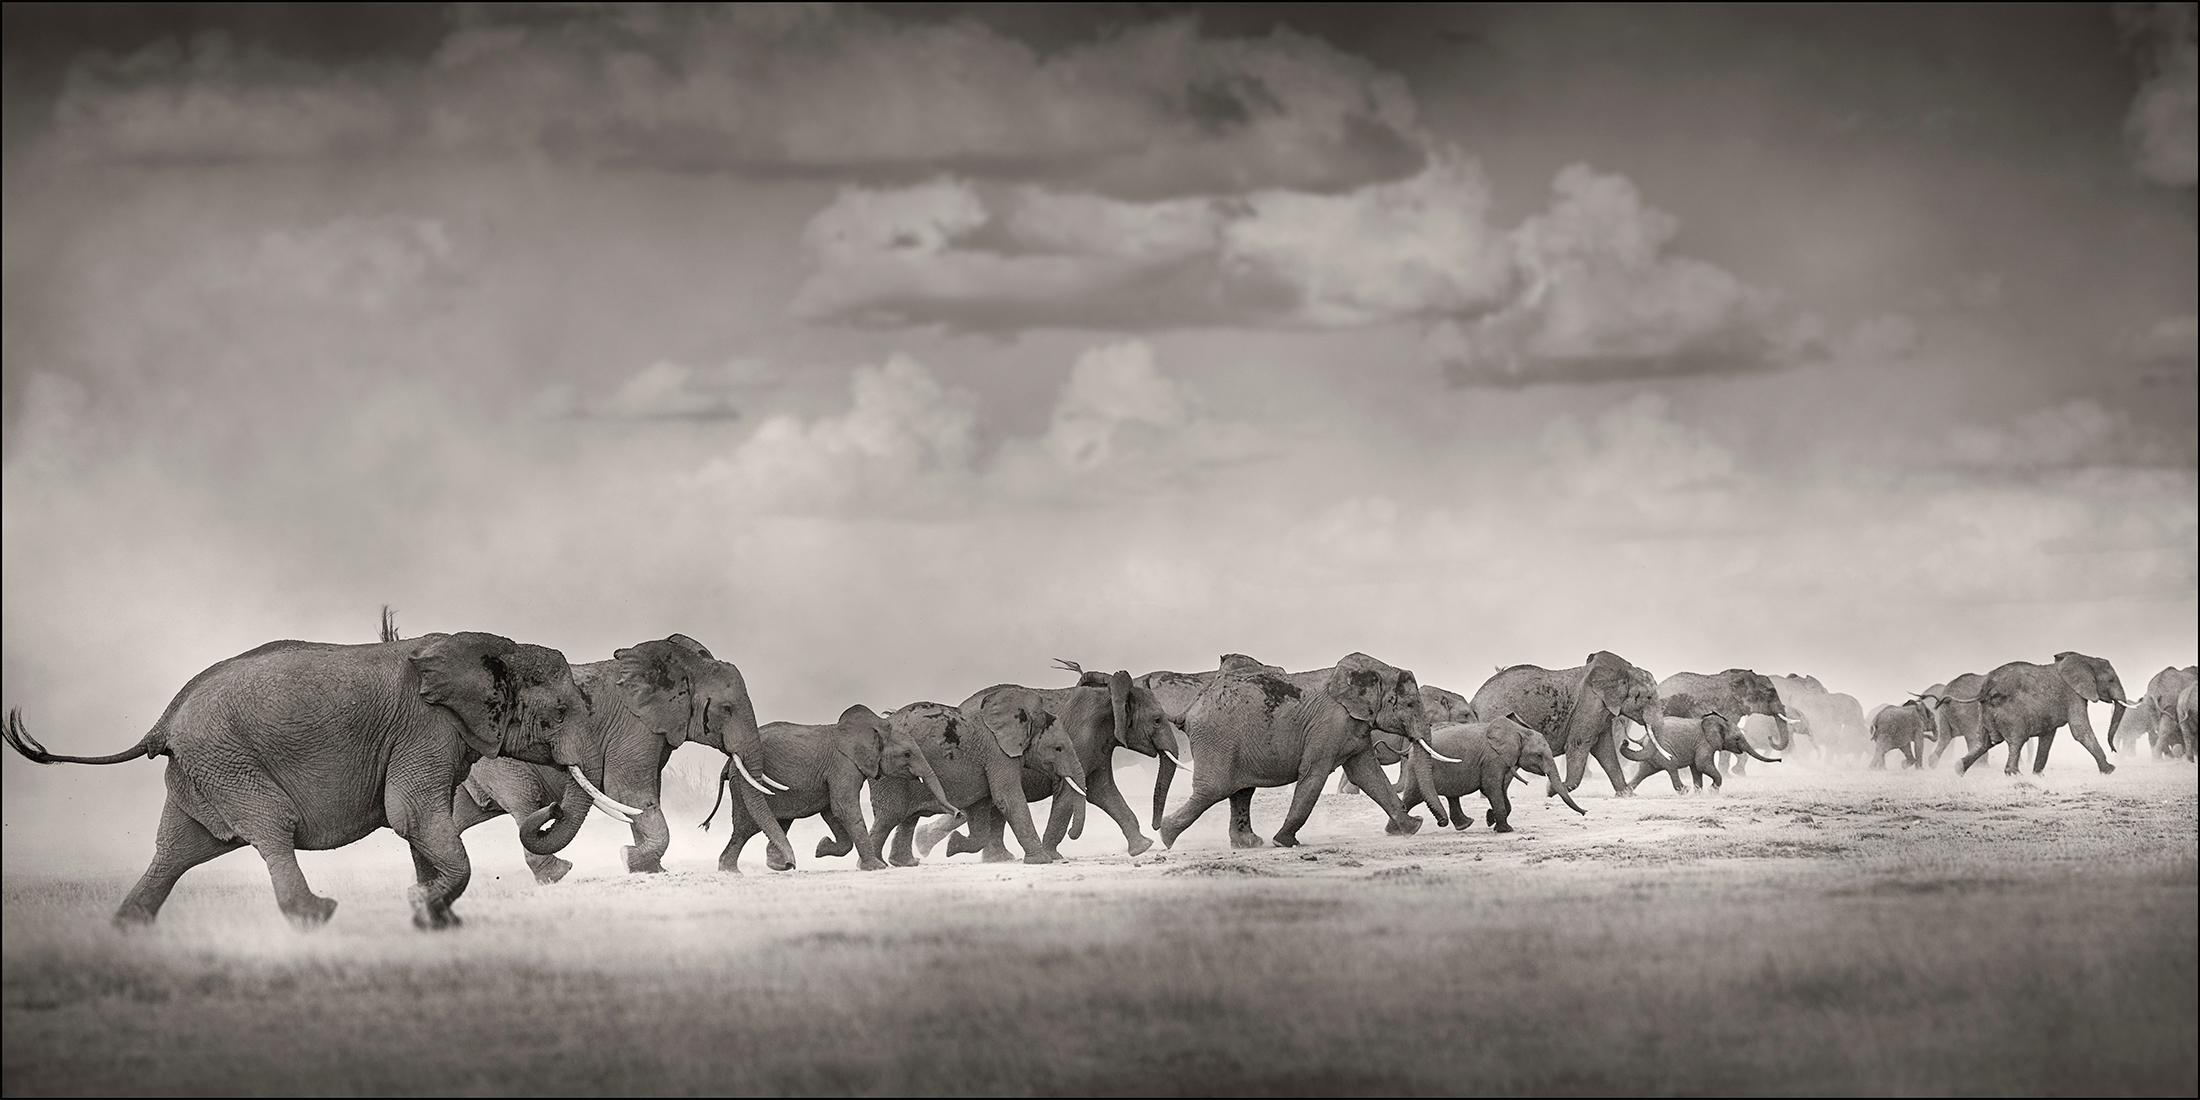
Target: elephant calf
1902, 727
1692, 743
1479, 756
824, 769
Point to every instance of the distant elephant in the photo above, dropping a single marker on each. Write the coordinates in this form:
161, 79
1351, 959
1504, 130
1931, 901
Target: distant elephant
1102, 712
1836, 721
978, 751
313, 745
2163, 691
1484, 757
1954, 722
1445, 708
1692, 743
1902, 726
2142, 717
1577, 709
2021, 700
1261, 728
643, 705
2187, 722
1736, 694
1176, 691
825, 769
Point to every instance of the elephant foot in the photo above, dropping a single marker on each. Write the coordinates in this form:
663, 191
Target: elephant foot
1042, 856
996, 855
1247, 839
1139, 845
2107, 768
828, 848
1287, 840
1462, 823
904, 861
1403, 826
959, 843
1623, 792
549, 871
1501, 826
1489, 817
869, 864
637, 862
129, 917
316, 911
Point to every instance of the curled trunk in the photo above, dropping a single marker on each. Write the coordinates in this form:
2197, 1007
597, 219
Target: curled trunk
548, 830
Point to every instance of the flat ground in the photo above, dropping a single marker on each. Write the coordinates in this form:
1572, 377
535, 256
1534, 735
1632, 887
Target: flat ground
1808, 932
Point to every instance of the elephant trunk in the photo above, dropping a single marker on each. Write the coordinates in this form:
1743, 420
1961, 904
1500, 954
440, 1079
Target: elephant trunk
1783, 734
548, 830
1163, 775
1550, 776
931, 781
2115, 722
1752, 751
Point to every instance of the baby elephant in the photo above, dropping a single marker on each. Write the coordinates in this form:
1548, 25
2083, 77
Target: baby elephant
1478, 756
824, 769
1692, 743
1903, 727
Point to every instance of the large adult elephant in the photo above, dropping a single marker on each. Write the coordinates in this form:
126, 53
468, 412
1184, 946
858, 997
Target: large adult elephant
1578, 710
1176, 692
643, 704
1954, 722
1899, 727
1102, 712
1835, 720
1261, 728
1735, 694
2022, 700
2162, 691
825, 768
978, 752
313, 745
1445, 708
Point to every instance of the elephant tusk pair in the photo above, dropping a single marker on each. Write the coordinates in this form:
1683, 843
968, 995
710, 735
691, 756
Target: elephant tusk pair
1431, 750
751, 779
618, 810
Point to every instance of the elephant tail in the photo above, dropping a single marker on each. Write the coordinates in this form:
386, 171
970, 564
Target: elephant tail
715, 801
20, 739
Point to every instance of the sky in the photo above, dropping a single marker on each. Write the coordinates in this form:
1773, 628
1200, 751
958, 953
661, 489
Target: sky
895, 353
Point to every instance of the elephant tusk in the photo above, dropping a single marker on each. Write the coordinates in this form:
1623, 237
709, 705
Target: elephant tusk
770, 782
1431, 750
751, 779
1176, 760
612, 806
1075, 786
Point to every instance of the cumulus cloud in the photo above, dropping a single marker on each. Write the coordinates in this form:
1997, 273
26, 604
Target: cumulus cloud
2165, 115
1153, 109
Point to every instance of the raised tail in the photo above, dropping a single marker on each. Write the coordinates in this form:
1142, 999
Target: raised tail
20, 740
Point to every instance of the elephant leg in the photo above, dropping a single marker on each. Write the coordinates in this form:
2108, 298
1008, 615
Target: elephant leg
1940, 746
2039, 751
842, 841
1643, 771
1241, 821
2015, 741
1459, 818
1109, 797
1606, 751
1304, 795
182, 843
776, 857
1061, 812
1077, 818
1577, 764
845, 817
1181, 818
904, 853
1368, 776
2081, 728
1006, 780
738, 831
646, 856
439, 862
1500, 814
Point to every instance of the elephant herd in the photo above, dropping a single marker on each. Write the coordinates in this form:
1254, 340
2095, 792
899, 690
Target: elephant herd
308, 746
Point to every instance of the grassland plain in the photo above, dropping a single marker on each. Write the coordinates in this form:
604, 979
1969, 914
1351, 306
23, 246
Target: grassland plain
1810, 931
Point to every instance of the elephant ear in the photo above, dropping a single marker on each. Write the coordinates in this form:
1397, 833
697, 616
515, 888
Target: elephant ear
1716, 725
469, 674
652, 679
1609, 675
1357, 685
1119, 701
692, 646
1506, 736
2075, 669
1015, 718
862, 737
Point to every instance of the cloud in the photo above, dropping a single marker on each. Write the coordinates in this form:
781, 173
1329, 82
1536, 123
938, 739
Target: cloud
2163, 126
666, 390
1161, 108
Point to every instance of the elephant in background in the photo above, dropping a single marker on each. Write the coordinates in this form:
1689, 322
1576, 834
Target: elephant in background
1835, 721
2021, 700
1260, 728
2188, 723
1692, 743
1901, 726
1578, 710
1484, 756
978, 751
1735, 694
1954, 722
1102, 712
2163, 691
1445, 708
825, 768
313, 745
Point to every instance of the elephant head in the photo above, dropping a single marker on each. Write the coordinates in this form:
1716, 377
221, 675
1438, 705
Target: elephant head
1024, 729
1387, 699
1445, 708
1722, 735
511, 699
1518, 745
2094, 680
1626, 691
1754, 693
1141, 727
877, 747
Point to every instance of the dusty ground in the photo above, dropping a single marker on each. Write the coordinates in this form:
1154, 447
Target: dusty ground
1808, 932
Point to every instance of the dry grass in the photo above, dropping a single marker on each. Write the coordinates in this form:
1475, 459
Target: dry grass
1805, 933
